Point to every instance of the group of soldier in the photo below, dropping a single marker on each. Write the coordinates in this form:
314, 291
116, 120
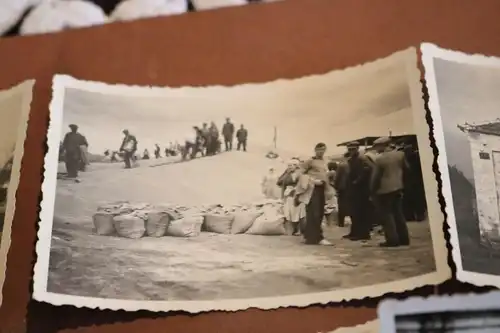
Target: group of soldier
370, 188
207, 139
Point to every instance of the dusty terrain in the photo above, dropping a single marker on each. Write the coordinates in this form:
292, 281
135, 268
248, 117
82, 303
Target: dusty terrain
210, 266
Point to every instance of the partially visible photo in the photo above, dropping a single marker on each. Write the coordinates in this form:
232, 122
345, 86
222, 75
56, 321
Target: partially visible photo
14, 113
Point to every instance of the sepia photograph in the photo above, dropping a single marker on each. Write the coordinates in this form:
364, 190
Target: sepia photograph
464, 103
474, 313
14, 113
285, 193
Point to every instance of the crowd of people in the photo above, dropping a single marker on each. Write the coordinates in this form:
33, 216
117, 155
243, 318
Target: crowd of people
205, 141
381, 186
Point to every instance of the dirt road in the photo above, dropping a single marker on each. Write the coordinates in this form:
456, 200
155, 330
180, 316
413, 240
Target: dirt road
210, 266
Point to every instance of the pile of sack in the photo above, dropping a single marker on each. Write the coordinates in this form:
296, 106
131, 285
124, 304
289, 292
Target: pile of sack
138, 220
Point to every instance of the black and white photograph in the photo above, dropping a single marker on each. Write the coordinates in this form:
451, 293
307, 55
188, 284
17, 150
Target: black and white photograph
14, 112
464, 103
285, 193
474, 313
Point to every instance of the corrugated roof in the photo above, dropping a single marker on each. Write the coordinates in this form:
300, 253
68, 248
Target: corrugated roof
490, 128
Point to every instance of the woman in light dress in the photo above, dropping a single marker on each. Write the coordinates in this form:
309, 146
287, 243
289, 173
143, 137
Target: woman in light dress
294, 214
269, 187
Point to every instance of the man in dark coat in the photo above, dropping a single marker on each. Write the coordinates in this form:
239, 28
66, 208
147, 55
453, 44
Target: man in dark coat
387, 186
228, 134
340, 185
128, 147
358, 193
242, 136
72, 151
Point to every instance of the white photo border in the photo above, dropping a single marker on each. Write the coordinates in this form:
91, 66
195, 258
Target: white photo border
26, 89
429, 53
40, 293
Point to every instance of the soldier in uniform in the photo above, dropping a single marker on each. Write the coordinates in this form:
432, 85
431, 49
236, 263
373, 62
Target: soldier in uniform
387, 187
358, 193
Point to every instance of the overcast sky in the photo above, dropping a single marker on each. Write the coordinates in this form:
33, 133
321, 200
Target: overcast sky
466, 93
339, 106
10, 115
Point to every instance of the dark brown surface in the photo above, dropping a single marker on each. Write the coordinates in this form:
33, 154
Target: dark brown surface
247, 44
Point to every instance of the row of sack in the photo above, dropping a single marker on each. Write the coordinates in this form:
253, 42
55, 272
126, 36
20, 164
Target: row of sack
55, 15
129, 221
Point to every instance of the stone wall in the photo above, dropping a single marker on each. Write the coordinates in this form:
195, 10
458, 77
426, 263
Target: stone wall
486, 186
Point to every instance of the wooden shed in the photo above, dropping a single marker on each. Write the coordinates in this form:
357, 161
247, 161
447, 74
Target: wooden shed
484, 140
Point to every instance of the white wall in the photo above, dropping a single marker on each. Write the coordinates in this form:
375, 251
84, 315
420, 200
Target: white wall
484, 180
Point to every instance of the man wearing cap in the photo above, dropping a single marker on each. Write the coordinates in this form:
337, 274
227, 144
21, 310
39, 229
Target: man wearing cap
128, 147
387, 188
358, 193
313, 189
72, 153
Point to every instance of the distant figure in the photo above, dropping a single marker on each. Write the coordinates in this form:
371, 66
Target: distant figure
213, 141
145, 155
242, 136
113, 156
387, 185
128, 147
270, 189
205, 139
157, 151
228, 133
72, 150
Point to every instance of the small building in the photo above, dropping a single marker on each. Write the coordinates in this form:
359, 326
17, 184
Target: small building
484, 141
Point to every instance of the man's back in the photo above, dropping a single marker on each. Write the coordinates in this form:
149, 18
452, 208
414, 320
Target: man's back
390, 165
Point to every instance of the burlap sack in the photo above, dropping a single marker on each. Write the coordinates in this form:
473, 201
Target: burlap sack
218, 223
103, 224
268, 225
157, 223
130, 226
188, 226
243, 221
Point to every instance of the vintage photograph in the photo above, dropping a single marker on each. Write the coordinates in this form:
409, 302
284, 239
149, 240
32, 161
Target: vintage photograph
464, 103
283, 193
475, 313
14, 112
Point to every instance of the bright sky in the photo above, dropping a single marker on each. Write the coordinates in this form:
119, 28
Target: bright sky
467, 93
10, 114
339, 106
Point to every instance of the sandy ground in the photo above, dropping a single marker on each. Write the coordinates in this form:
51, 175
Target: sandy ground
210, 266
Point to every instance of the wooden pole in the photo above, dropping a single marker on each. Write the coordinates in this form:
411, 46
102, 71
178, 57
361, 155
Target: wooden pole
275, 139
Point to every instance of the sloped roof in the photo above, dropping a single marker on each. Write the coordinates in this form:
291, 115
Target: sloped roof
490, 128
368, 141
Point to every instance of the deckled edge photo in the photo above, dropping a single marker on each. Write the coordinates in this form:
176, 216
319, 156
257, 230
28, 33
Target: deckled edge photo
389, 309
429, 53
372, 326
26, 89
436, 217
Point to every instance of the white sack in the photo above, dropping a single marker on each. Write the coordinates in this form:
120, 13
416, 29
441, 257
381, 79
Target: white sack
11, 12
136, 9
57, 15
212, 4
